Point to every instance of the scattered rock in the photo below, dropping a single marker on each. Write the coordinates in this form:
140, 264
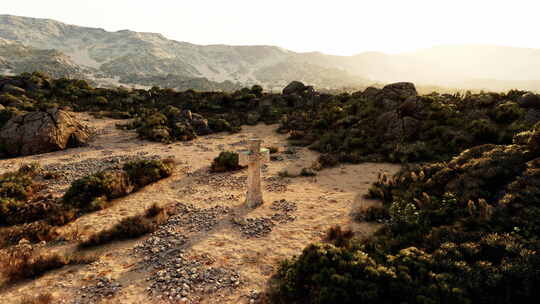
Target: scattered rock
103, 288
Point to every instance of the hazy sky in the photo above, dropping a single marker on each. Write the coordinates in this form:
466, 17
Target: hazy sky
331, 26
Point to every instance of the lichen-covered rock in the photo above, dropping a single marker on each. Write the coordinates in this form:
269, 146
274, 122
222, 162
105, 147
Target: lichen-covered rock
42, 132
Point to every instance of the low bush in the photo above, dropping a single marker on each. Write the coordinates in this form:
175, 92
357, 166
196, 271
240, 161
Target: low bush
23, 262
33, 232
15, 189
226, 161
144, 172
43, 298
372, 214
94, 191
129, 228
339, 237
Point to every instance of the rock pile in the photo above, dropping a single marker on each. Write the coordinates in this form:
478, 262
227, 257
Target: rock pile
255, 227
180, 277
262, 226
103, 288
194, 219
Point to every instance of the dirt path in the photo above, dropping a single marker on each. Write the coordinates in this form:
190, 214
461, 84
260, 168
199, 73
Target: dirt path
319, 202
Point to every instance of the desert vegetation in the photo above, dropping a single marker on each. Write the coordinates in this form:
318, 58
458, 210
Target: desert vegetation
25, 214
459, 222
130, 227
463, 231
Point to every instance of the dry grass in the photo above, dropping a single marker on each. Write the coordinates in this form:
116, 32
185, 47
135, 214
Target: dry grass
22, 262
129, 228
33, 232
44, 298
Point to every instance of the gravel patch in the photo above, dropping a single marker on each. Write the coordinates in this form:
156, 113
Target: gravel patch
254, 227
102, 289
262, 226
276, 184
194, 219
180, 277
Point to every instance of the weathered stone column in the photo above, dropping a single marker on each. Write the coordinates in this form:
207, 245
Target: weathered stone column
254, 191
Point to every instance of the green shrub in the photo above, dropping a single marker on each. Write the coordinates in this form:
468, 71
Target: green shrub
463, 231
92, 192
16, 188
144, 172
372, 214
226, 161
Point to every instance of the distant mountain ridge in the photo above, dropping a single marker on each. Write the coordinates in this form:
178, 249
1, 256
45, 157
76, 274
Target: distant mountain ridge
145, 59
126, 55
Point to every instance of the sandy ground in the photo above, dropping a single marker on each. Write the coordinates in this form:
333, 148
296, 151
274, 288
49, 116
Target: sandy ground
323, 201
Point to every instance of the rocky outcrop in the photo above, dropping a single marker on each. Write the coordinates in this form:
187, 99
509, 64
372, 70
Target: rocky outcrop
399, 91
42, 132
296, 87
529, 100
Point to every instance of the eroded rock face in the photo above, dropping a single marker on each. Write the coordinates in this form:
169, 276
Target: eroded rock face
42, 132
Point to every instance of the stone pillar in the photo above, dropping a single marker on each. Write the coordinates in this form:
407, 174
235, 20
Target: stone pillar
254, 191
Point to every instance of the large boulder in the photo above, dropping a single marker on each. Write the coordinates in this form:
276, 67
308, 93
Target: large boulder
294, 87
42, 132
529, 100
370, 92
399, 91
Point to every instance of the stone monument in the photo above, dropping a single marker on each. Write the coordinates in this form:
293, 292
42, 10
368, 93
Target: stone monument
254, 158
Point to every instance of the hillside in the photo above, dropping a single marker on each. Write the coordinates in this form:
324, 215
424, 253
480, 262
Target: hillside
147, 59
126, 55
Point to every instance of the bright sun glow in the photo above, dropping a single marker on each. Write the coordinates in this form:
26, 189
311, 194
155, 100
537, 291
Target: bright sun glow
333, 27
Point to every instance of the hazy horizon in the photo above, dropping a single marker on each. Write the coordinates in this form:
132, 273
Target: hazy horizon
340, 28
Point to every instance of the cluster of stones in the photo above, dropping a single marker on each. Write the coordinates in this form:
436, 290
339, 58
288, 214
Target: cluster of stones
194, 219
102, 289
179, 277
185, 278
262, 226
275, 184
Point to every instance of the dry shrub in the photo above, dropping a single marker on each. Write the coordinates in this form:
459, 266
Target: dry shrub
44, 298
22, 262
338, 236
33, 232
129, 228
